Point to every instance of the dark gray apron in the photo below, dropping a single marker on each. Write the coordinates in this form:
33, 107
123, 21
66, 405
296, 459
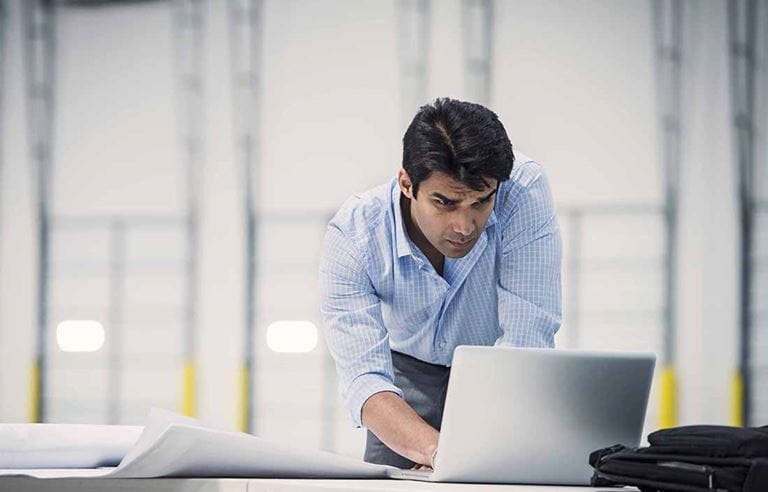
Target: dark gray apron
424, 386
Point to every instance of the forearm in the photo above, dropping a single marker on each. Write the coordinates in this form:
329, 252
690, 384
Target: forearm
400, 428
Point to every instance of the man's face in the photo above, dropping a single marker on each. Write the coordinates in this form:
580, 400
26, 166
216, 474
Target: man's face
450, 215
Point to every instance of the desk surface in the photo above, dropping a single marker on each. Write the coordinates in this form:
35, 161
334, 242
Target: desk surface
26, 484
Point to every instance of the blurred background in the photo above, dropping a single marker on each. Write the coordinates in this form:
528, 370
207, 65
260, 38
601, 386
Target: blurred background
167, 170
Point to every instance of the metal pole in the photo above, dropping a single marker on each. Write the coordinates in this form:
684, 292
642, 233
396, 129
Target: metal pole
245, 24
329, 388
2, 88
413, 28
328, 435
741, 36
189, 27
477, 27
668, 20
115, 329
574, 278
39, 57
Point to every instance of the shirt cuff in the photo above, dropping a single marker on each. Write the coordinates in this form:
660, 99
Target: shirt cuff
364, 387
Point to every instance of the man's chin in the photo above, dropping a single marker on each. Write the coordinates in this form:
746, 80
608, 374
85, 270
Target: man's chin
455, 256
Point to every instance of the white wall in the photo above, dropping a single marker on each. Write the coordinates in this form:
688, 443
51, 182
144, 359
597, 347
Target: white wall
573, 82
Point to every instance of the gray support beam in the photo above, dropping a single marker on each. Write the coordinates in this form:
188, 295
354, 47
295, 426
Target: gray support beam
477, 34
114, 330
668, 24
39, 57
245, 31
330, 382
573, 286
413, 32
742, 17
189, 26
3, 71
328, 434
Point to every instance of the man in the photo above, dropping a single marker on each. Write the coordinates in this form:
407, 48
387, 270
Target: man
458, 249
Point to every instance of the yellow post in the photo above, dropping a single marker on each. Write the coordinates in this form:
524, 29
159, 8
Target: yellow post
244, 380
33, 408
737, 399
189, 396
668, 414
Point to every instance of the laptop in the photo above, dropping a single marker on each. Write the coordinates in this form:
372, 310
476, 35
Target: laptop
533, 416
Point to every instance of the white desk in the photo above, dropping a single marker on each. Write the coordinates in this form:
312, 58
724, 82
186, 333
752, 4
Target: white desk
25, 484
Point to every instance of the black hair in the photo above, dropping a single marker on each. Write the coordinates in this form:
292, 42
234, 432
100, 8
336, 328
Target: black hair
462, 139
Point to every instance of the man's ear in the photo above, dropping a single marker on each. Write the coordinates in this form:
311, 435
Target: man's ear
405, 183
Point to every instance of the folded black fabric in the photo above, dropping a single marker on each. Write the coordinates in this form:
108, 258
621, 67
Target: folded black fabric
694, 458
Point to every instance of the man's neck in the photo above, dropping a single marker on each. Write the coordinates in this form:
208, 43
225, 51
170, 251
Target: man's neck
412, 229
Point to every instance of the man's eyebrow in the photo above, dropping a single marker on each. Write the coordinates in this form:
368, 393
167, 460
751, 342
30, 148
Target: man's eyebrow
444, 198
454, 201
489, 195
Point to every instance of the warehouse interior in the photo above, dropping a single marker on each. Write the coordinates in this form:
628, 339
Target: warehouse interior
168, 169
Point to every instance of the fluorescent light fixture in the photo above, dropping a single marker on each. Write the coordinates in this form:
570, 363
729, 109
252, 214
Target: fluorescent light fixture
292, 336
80, 335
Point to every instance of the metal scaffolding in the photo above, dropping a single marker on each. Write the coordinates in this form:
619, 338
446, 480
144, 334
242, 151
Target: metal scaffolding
245, 32
413, 29
477, 34
742, 29
39, 49
39, 56
117, 264
587, 268
281, 266
582, 263
668, 24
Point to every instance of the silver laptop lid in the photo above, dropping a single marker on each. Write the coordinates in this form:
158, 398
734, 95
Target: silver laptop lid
521, 415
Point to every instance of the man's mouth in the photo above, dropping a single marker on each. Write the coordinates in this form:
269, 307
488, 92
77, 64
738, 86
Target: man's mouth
459, 244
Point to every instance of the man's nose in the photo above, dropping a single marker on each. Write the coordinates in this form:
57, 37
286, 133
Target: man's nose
463, 224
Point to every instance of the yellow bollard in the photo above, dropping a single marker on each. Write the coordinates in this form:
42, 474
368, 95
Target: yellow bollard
243, 420
668, 414
189, 396
737, 399
33, 408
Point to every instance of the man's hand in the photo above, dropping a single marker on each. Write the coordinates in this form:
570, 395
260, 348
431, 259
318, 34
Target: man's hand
400, 428
425, 467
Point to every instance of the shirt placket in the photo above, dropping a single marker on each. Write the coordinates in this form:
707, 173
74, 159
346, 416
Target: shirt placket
440, 285
457, 271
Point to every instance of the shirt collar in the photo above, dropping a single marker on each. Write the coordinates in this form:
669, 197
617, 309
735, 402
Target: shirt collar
402, 242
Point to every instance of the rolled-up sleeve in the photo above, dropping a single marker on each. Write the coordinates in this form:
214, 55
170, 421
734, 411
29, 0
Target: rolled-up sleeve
529, 285
353, 325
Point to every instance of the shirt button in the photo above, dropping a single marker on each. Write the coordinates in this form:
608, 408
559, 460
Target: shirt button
443, 344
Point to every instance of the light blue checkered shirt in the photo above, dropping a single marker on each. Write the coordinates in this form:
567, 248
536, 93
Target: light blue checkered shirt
380, 293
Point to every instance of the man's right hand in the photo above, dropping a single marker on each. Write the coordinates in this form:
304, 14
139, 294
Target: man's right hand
400, 428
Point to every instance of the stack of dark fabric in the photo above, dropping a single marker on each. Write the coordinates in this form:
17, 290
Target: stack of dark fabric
695, 458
